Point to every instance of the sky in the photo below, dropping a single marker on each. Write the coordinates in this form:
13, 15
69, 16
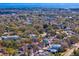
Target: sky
43, 5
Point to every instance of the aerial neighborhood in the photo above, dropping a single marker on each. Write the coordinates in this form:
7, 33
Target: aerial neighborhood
38, 31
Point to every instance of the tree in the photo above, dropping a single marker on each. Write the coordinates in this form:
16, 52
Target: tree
2, 28
11, 51
73, 39
76, 53
76, 30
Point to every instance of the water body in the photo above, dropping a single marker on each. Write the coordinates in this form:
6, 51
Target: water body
43, 5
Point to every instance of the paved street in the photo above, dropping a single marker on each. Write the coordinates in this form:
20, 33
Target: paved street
70, 51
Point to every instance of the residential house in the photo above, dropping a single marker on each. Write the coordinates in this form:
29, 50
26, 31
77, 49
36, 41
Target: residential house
55, 48
14, 37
